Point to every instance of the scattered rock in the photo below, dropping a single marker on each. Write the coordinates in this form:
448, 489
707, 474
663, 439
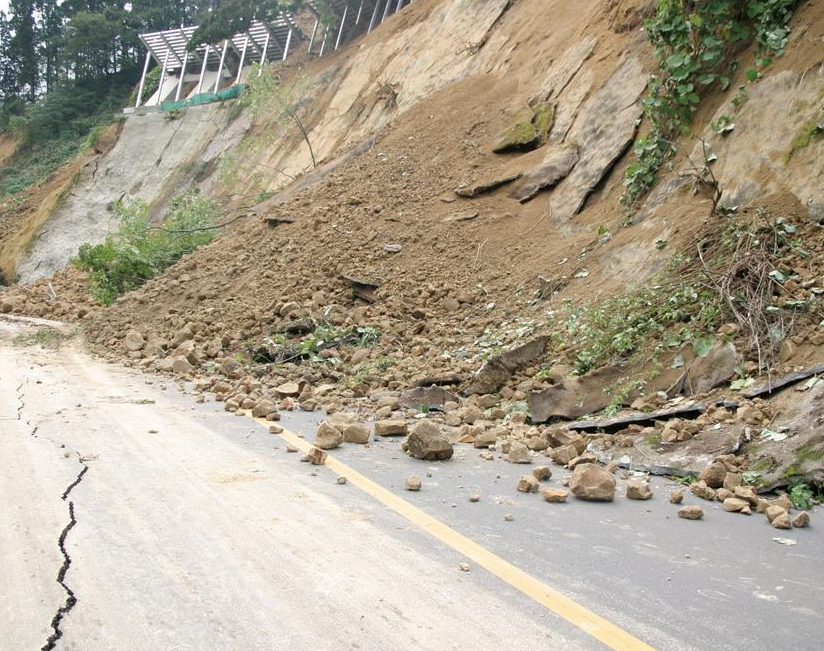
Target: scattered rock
394, 427
801, 520
509, 517
463, 567
275, 429
474, 497
263, 408
555, 494
328, 437
528, 484
518, 453
714, 474
317, 456
700, 489
497, 370
486, 185
736, 505
542, 473
430, 397
427, 442
676, 496
291, 448
591, 482
691, 512
288, 390
340, 480
134, 341
782, 521
413, 483
356, 433
638, 490
773, 512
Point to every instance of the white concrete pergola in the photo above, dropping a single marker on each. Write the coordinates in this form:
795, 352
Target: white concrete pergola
265, 40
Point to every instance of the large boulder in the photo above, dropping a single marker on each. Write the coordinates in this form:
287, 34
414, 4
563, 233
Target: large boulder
592, 482
427, 442
328, 437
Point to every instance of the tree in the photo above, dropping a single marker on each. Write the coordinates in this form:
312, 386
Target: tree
22, 50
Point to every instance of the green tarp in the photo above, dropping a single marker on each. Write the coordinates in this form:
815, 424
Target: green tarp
204, 98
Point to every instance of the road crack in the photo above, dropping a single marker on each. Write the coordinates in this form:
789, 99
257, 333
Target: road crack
71, 598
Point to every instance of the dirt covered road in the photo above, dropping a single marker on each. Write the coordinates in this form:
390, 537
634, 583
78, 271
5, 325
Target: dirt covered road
134, 518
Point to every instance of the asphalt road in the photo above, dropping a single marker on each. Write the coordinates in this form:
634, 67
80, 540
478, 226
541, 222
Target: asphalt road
191, 528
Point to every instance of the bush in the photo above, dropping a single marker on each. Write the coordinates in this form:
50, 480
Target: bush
138, 252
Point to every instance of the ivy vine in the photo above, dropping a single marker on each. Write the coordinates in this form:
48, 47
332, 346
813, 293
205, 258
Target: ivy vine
693, 40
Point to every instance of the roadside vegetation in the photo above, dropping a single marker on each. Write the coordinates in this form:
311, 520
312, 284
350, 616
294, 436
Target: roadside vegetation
696, 42
138, 251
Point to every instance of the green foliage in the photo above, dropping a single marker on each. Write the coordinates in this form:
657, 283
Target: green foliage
692, 39
615, 329
279, 348
801, 495
138, 252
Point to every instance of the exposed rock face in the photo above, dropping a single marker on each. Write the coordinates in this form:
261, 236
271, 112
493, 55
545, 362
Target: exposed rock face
591, 482
556, 166
574, 397
715, 368
427, 442
604, 129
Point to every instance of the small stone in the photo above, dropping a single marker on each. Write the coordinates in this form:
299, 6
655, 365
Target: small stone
733, 480
542, 473
528, 484
413, 483
722, 493
773, 512
356, 433
317, 457
288, 390
692, 512
275, 429
340, 480
783, 521
518, 453
700, 489
638, 490
509, 517
801, 520
735, 505
746, 493
291, 448
463, 567
714, 474
555, 495
676, 496
474, 497
395, 427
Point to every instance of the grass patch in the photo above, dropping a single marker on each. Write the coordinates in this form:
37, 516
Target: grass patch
45, 338
803, 138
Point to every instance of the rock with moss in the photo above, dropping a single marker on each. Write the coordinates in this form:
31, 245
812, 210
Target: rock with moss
519, 137
543, 119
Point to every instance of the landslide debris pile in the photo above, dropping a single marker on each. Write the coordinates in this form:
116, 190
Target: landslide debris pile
459, 296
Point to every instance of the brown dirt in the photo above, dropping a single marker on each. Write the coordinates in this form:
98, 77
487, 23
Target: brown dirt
456, 290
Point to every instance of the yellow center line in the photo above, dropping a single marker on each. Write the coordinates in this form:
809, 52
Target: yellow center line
576, 614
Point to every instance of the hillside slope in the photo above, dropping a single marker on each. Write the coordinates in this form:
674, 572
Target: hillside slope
446, 280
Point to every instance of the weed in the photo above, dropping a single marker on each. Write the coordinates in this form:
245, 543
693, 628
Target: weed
45, 338
801, 494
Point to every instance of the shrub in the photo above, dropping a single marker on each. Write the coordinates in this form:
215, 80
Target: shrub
138, 251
